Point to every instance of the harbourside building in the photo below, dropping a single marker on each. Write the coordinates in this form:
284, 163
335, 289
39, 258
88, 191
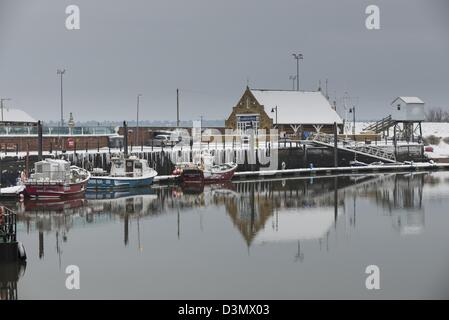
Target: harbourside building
18, 133
293, 113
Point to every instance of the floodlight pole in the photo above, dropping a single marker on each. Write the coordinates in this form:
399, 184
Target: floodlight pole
137, 126
297, 56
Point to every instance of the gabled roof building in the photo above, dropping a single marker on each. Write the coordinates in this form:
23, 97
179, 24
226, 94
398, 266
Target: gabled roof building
291, 112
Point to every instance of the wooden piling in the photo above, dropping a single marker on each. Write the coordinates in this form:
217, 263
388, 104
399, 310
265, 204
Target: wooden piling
39, 140
125, 138
335, 145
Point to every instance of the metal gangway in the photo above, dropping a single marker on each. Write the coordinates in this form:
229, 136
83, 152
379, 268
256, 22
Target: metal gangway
349, 145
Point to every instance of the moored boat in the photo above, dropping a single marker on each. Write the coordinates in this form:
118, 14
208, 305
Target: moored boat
55, 178
205, 170
129, 172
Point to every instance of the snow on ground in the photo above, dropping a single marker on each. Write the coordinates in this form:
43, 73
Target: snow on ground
438, 129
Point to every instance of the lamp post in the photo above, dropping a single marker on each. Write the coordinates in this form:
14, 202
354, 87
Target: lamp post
297, 56
1, 104
137, 126
352, 110
275, 109
293, 78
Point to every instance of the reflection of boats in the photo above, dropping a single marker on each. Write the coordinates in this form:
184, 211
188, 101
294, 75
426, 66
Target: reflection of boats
205, 170
53, 205
116, 194
192, 188
225, 189
55, 178
125, 173
133, 201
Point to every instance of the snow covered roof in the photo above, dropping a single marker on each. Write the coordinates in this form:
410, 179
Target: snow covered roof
297, 107
410, 99
16, 115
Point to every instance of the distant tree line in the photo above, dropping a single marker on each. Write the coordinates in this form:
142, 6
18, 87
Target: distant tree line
437, 115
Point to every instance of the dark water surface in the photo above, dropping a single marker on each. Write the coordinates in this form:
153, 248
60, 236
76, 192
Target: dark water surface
261, 239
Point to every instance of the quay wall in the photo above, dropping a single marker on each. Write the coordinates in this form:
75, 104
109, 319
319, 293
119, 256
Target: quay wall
163, 160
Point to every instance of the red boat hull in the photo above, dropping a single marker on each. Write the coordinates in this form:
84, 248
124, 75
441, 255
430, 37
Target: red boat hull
198, 176
56, 190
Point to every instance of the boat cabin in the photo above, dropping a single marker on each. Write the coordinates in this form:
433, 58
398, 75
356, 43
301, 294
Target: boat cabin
51, 170
130, 167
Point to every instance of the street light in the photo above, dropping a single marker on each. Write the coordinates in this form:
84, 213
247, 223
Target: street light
137, 127
275, 109
352, 110
293, 78
61, 73
297, 56
1, 104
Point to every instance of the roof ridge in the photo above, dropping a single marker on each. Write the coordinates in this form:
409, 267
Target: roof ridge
286, 90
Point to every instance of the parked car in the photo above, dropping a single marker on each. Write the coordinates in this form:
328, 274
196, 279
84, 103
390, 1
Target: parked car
163, 140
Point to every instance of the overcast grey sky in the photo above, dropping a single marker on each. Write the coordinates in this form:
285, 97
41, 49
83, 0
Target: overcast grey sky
210, 48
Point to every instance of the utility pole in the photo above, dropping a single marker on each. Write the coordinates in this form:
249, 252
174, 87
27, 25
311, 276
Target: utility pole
297, 56
137, 126
1, 104
177, 108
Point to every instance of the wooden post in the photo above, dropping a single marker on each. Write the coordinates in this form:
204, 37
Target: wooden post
335, 201
27, 161
125, 138
39, 140
394, 141
335, 145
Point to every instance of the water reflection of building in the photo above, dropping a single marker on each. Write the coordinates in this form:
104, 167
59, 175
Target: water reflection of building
400, 195
269, 210
285, 209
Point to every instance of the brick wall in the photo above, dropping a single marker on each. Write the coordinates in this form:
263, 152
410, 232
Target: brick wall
54, 143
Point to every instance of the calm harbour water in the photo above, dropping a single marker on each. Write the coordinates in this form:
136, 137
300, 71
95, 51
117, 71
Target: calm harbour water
261, 239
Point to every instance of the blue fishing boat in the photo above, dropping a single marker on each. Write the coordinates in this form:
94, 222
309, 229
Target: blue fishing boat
129, 172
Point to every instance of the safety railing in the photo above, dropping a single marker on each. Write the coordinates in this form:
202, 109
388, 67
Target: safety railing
8, 225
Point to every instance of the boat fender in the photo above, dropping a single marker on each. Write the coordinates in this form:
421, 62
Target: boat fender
2, 210
21, 251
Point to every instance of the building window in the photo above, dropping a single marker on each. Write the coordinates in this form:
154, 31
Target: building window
246, 122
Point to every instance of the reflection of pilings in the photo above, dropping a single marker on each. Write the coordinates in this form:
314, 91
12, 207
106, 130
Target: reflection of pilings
41, 244
178, 224
335, 201
126, 226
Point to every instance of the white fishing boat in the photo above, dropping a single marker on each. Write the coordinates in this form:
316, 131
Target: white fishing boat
128, 172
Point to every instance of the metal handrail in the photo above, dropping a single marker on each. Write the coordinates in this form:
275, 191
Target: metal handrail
368, 149
8, 225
